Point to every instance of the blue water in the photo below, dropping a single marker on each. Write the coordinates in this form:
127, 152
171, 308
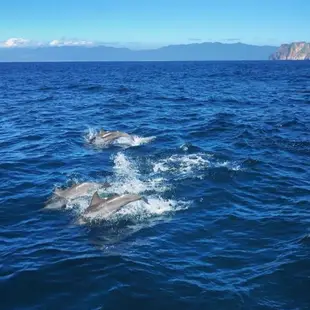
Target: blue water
222, 152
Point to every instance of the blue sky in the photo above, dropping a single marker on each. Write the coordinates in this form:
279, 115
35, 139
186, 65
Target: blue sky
141, 24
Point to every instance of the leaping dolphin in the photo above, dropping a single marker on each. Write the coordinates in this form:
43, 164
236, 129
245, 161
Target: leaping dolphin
107, 206
105, 136
61, 197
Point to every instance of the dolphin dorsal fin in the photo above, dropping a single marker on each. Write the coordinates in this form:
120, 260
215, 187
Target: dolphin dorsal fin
95, 199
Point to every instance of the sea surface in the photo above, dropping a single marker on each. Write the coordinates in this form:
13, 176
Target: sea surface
221, 152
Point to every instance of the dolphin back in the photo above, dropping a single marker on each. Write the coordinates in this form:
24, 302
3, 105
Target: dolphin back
113, 135
111, 204
56, 203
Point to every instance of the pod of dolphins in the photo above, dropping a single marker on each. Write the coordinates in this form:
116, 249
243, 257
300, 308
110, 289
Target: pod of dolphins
103, 206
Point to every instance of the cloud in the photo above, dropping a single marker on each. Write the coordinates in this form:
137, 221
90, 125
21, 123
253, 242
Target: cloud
63, 41
70, 43
15, 42
19, 42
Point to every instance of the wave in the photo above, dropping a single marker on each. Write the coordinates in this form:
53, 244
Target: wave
90, 88
94, 88
42, 99
46, 88
216, 98
73, 86
224, 99
173, 99
123, 89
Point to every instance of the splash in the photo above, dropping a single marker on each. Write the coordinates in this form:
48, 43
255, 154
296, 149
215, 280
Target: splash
153, 206
191, 165
127, 178
137, 140
90, 134
234, 166
139, 211
184, 164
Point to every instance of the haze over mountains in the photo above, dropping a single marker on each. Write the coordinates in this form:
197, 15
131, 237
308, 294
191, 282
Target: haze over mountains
184, 52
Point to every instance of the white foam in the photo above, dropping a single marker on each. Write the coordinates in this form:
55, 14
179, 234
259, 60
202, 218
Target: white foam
143, 140
78, 205
140, 210
153, 207
234, 166
127, 178
184, 164
90, 134
160, 167
191, 164
134, 140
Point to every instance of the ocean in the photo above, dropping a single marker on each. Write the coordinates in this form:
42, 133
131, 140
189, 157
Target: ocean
221, 152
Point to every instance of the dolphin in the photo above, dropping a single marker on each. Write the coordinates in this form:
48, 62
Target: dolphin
61, 197
105, 136
107, 206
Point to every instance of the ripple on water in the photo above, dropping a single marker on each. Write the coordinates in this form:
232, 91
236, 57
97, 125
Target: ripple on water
220, 151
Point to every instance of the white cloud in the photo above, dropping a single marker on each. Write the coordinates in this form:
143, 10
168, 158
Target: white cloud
71, 43
15, 42
21, 42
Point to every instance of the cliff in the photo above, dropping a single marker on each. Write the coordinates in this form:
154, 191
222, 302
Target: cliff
293, 51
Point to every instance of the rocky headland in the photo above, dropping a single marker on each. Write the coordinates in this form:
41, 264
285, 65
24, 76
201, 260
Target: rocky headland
293, 51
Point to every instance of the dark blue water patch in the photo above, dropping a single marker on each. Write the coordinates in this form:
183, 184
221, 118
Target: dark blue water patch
85, 87
46, 88
304, 91
123, 90
74, 86
226, 176
228, 99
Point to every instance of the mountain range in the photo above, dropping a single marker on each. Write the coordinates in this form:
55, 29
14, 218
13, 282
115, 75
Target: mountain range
184, 52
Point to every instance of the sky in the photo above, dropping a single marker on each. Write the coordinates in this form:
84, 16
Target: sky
141, 24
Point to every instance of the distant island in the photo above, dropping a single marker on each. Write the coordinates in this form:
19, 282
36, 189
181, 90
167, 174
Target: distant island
293, 51
185, 52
